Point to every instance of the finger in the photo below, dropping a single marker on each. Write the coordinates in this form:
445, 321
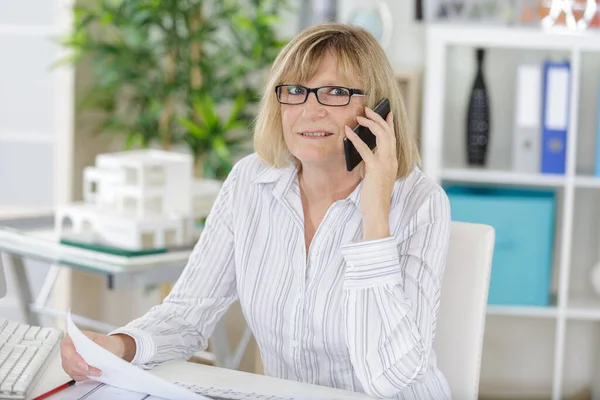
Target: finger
78, 370
362, 148
77, 367
73, 358
381, 121
79, 378
373, 126
387, 124
390, 122
73, 361
383, 138
392, 145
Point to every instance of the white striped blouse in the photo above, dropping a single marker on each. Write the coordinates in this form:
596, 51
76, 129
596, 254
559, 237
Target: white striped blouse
351, 314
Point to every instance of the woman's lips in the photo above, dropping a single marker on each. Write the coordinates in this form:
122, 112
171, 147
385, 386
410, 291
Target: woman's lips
315, 134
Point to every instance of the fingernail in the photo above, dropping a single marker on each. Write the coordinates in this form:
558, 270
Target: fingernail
83, 366
95, 372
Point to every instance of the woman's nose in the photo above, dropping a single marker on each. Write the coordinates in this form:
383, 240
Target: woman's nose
313, 108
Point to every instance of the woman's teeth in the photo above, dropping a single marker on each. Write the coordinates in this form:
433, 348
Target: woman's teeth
316, 133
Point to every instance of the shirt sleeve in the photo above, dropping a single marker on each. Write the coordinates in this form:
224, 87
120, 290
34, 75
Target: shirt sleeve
392, 289
182, 324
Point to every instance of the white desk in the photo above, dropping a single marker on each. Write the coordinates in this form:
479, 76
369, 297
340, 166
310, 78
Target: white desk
212, 376
120, 271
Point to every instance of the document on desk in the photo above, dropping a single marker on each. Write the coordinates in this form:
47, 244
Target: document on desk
120, 374
92, 390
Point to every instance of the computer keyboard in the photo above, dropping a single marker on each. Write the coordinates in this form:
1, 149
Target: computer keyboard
228, 394
24, 354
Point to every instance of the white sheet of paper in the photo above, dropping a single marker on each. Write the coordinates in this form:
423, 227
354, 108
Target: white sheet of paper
92, 390
121, 374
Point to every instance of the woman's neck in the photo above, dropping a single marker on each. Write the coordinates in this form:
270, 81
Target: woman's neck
326, 185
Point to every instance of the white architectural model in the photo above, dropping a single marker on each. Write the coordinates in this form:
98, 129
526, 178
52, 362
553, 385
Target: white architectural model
141, 199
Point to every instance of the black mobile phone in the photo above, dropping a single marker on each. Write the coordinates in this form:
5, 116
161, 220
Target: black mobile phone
353, 158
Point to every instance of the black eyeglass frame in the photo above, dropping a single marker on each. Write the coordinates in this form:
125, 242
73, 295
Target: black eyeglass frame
353, 92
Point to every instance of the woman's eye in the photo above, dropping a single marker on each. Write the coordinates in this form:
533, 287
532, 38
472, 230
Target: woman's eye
295, 90
338, 92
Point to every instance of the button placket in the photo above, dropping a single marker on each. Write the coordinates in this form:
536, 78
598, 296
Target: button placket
297, 329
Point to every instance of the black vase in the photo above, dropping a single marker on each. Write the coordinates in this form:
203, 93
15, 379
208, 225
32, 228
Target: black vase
478, 118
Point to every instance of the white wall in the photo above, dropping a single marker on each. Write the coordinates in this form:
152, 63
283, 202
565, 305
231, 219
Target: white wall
32, 123
407, 47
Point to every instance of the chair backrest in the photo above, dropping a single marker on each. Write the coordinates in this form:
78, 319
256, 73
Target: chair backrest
461, 320
2, 279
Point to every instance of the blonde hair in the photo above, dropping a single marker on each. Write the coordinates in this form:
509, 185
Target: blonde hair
358, 54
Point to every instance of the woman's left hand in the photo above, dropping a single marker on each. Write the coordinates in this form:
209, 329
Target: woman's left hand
380, 173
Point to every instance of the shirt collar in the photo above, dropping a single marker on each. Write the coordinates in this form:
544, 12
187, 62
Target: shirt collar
354, 197
281, 177
284, 177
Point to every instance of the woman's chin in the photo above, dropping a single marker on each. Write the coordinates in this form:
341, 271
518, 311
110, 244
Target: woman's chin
319, 158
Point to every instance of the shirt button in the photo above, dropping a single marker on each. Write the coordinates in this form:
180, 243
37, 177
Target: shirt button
294, 343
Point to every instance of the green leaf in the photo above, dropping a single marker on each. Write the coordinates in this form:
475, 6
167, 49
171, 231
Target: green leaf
194, 129
132, 140
205, 106
267, 19
126, 43
220, 148
238, 106
235, 125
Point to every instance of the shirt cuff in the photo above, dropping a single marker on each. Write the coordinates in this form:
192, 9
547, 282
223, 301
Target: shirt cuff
145, 348
371, 263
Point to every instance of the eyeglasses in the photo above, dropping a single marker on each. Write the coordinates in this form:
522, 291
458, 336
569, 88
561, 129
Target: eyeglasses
335, 96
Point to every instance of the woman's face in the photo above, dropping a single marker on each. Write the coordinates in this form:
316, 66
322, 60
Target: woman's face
314, 132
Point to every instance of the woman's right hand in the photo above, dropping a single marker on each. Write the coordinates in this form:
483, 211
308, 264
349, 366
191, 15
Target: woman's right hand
73, 363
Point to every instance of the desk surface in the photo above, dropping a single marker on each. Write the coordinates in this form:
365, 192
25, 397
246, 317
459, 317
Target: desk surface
45, 244
211, 376
123, 271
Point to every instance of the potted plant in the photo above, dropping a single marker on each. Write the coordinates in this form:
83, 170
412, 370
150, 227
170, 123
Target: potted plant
177, 72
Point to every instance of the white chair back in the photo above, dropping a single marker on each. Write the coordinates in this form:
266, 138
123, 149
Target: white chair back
461, 320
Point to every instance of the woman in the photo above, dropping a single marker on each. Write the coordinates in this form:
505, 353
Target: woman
338, 273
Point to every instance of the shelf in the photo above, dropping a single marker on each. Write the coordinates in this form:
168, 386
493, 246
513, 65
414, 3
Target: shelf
591, 182
486, 176
28, 30
555, 38
502, 177
450, 47
47, 138
580, 308
523, 311
584, 308
9, 212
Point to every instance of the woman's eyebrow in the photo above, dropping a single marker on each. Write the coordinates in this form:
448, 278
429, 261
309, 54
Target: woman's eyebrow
333, 83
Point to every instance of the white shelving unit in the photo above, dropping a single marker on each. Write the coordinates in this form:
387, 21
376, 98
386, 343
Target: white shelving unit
502, 177
37, 105
518, 311
570, 306
37, 118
